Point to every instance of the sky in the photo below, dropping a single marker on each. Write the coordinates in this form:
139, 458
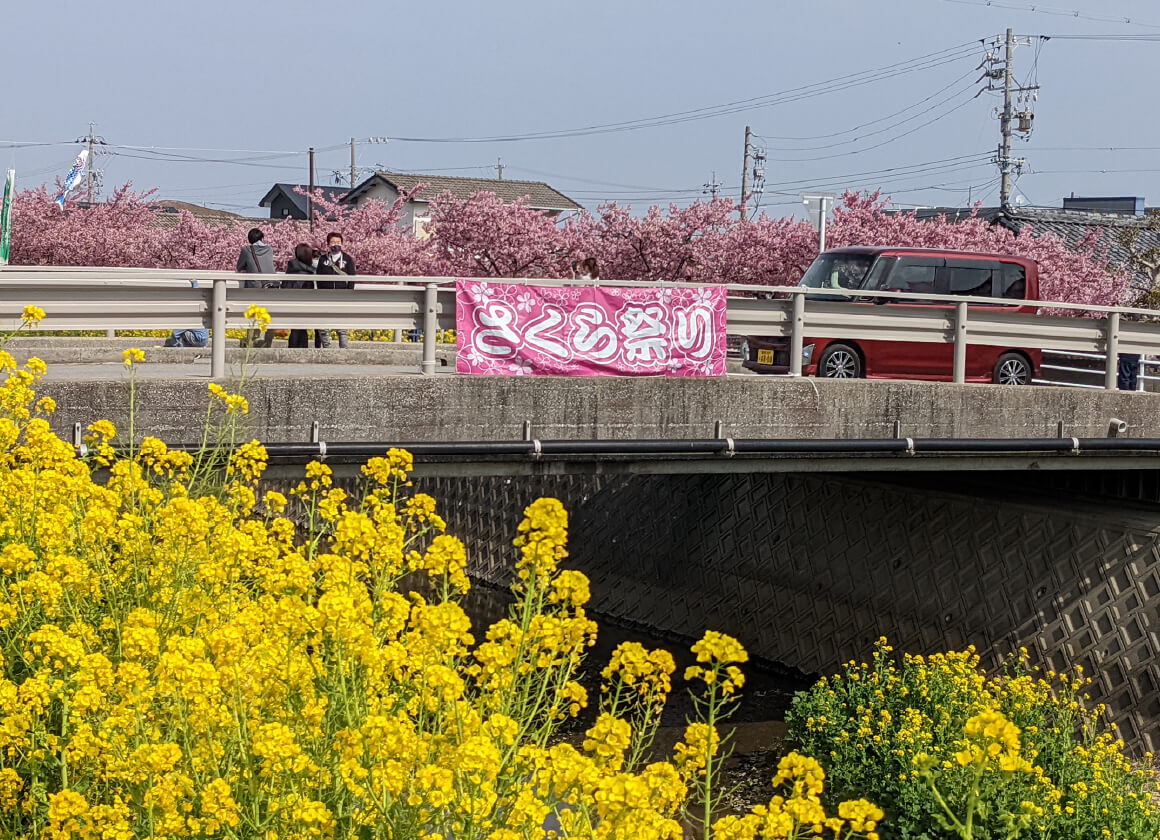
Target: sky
212, 102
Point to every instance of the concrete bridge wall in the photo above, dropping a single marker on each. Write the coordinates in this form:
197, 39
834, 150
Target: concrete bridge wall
413, 408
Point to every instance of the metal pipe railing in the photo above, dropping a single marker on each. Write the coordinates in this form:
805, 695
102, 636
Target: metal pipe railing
706, 447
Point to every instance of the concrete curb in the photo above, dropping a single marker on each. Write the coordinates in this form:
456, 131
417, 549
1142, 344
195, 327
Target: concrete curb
81, 351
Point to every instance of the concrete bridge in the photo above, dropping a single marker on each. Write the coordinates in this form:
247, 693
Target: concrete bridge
355, 406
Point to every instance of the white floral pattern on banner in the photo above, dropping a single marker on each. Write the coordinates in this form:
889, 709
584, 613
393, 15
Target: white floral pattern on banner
511, 329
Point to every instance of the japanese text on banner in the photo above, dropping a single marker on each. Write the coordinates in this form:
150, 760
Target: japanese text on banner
511, 329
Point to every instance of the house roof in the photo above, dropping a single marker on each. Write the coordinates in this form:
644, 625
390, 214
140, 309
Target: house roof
540, 196
299, 200
169, 213
1069, 225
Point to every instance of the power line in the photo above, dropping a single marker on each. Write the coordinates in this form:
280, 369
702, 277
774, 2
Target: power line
885, 142
26, 144
207, 160
977, 156
212, 149
1039, 8
880, 119
1093, 171
921, 63
1095, 149
1145, 38
876, 179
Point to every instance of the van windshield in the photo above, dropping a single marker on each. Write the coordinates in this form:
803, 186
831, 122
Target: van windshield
837, 271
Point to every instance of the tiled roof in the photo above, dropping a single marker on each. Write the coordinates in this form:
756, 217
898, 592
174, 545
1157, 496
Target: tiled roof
299, 200
539, 195
1069, 225
169, 213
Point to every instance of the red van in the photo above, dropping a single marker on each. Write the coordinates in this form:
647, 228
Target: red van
919, 270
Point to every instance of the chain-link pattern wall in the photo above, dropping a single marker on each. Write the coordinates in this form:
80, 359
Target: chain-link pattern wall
809, 570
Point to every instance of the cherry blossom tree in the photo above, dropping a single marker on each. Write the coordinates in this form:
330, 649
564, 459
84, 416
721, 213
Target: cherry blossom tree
1080, 274
371, 235
481, 236
119, 232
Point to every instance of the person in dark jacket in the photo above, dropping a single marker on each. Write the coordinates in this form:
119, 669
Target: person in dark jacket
257, 257
302, 264
334, 263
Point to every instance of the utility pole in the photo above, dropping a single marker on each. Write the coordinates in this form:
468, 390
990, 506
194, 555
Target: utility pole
745, 174
92, 160
353, 169
92, 176
710, 188
499, 167
1005, 123
1010, 121
310, 195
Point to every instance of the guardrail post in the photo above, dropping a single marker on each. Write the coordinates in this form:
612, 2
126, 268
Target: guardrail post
217, 366
797, 333
960, 367
1112, 345
430, 325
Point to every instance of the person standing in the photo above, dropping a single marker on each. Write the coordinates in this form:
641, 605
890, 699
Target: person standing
301, 264
1127, 371
335, 263
256, 258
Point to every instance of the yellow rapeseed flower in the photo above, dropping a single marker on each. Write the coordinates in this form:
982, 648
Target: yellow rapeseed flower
259, 315
132, 356
32, 315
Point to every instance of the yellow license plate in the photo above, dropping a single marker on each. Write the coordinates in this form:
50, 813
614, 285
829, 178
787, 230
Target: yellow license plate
765, 357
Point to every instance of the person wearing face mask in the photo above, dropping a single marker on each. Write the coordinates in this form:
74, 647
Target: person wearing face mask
335, 263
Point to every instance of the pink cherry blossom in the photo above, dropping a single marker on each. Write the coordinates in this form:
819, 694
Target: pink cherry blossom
481, 236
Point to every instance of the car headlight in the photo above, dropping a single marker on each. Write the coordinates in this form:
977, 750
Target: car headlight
745, 350
807, 353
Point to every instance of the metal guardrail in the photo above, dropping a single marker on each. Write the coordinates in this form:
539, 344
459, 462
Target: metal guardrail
1064, 366
133, 298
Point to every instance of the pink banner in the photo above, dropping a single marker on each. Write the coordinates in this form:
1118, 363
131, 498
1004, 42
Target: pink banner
513, 330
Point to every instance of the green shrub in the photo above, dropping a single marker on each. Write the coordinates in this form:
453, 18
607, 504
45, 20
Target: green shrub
951, 752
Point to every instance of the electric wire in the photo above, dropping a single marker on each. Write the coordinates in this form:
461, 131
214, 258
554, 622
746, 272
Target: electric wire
1109, 37
894, 125
881, 143
922, 63
1039, 8
768, 137
206, 160
958, 159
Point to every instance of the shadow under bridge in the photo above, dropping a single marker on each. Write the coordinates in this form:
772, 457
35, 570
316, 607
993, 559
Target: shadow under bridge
808, 569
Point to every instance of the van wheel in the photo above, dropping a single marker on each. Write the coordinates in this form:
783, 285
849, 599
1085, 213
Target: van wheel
1012, 369
840, 361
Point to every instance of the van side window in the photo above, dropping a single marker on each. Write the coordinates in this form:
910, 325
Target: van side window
878, 278
975, 278
1013, 283
969, 281
915, 274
